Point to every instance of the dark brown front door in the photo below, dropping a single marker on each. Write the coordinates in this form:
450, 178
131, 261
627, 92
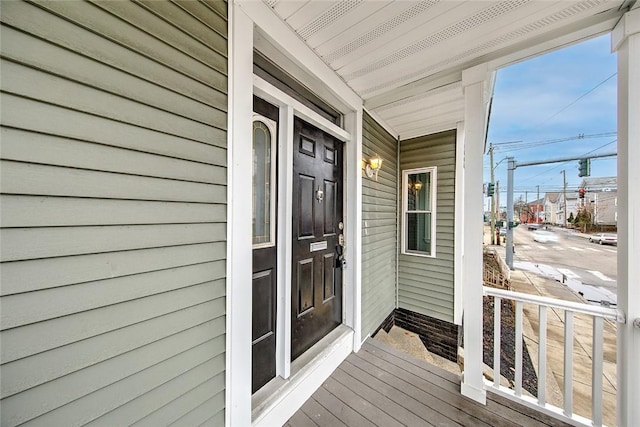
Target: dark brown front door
264, 244
316, 293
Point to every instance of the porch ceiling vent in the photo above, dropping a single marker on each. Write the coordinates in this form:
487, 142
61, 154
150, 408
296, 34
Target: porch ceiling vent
387, 26
328, 17
439, 37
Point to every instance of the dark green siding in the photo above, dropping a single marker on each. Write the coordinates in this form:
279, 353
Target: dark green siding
426, 285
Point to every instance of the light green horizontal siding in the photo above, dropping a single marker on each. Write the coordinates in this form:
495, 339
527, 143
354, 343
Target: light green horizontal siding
113, 226
426, 285
379, 215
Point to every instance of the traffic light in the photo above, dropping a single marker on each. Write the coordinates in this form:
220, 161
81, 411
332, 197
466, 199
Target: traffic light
581, 192
490, 189
584, 167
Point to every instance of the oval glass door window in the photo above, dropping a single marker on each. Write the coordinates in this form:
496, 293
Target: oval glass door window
263, 181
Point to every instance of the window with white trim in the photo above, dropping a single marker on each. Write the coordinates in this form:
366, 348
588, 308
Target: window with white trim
419, 212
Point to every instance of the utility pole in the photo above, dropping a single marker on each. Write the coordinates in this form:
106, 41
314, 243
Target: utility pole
537, 204
526, 205
510, 169
509, 246
498, 201
493, 200
564, 196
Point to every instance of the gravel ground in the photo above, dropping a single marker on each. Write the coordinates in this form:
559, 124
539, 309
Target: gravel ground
507, 347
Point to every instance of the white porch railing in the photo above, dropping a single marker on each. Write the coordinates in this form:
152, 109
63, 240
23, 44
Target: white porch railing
598, 315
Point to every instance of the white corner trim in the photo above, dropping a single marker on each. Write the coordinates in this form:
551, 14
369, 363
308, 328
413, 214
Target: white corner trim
353, 227
239, 287
628, 25
287, 40
458, 246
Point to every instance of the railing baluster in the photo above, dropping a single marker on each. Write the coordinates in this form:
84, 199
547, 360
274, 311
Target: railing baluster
497, 308
598, 314
568, 363
542, 355
596, 373
518, 376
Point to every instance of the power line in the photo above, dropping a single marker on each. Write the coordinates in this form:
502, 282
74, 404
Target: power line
562, 164
580, 97
566, 138
515, 146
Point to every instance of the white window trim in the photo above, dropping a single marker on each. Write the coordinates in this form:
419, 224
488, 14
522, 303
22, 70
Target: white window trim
271, 125
433, 170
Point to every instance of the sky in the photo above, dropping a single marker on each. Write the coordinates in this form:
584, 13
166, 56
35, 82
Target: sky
556, 96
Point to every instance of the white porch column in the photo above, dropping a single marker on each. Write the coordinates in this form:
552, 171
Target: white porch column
477, 88
626, 41
239, 290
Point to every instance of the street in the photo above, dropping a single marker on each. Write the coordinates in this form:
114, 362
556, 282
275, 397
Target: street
587, 268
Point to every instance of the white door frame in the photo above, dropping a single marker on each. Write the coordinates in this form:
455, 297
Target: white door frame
289, 107
244, 19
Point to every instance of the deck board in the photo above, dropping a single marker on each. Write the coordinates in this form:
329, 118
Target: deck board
381, 386
341, 409
376, 398
362, 406
427, 415
448, 388
497, 405
319, 414
300, 419
446, 403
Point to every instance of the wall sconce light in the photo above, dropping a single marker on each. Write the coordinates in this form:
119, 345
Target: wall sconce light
373, 166
415, 187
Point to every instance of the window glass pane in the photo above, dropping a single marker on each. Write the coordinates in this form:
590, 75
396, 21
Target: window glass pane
418, 230
261, 183
419, 197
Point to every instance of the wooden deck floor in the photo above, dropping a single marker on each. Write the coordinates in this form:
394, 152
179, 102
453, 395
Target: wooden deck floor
381, 386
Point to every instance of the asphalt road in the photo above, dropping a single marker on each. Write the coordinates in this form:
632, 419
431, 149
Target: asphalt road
572, 255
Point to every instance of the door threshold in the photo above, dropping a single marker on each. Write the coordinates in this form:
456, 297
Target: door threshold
279, 399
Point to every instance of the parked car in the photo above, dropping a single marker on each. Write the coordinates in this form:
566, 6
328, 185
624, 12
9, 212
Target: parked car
543, 236
604, 239
533, 226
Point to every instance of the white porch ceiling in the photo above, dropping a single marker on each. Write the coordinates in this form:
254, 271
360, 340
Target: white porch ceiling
405, 58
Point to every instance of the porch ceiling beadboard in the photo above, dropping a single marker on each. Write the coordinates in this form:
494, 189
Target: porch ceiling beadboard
113, 212
392, 52
379, 213
426, 285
